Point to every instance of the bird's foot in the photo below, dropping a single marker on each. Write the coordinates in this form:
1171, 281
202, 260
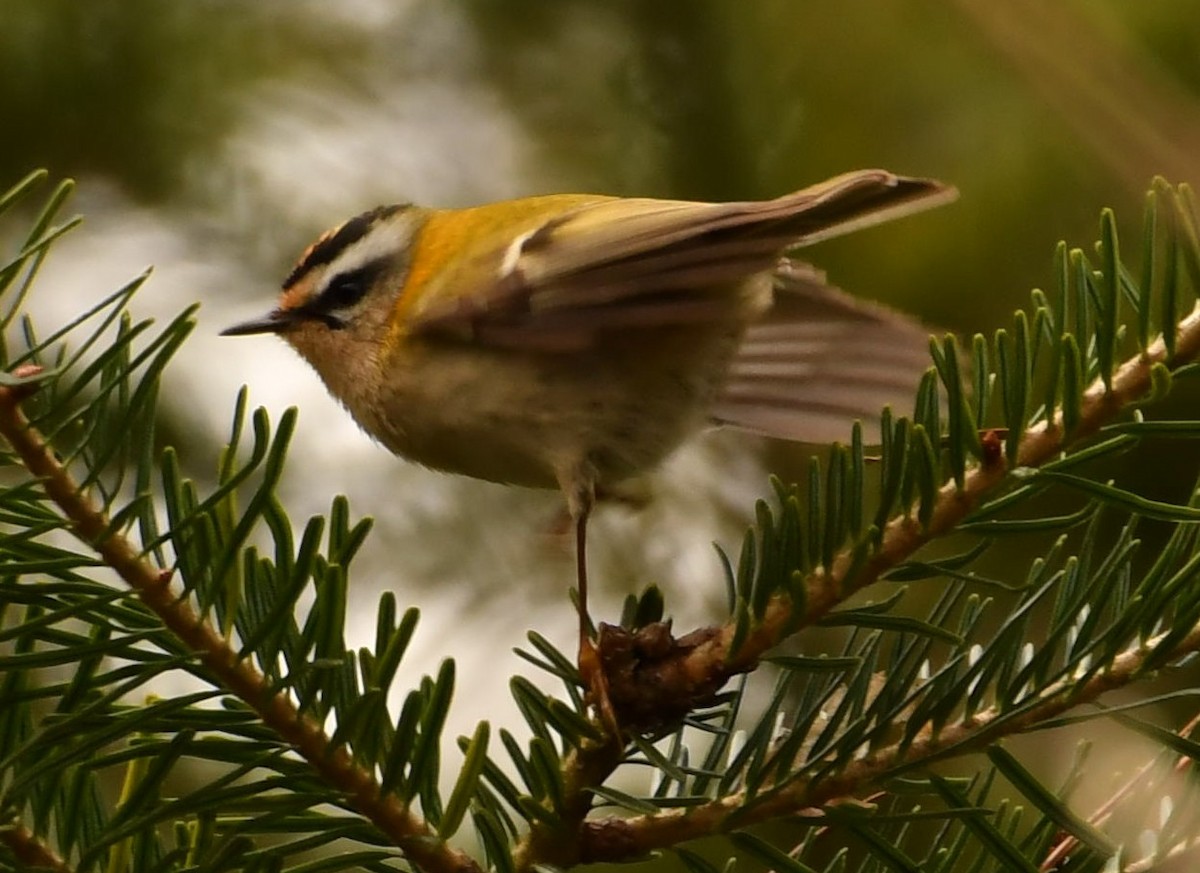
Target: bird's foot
591, 669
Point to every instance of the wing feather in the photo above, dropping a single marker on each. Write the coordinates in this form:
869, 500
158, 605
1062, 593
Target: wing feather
615, 263
818, 361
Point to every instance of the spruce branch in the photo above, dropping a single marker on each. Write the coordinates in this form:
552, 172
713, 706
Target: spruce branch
613, 839
153, 587
583, 769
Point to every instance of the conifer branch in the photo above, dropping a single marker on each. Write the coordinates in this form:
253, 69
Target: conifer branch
90, 525
619, 839
582, 769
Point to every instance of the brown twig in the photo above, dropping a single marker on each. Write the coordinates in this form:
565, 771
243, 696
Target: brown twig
1137, 782
152, 586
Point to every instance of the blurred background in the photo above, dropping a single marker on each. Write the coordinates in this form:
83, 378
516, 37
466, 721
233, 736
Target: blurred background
215, 139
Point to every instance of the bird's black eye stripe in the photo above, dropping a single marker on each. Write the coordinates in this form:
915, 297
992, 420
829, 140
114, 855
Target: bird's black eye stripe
346, 289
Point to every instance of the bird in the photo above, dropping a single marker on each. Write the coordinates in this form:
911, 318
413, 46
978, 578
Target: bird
573, 341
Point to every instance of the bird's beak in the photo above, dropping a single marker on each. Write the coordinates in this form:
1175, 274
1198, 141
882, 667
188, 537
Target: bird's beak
274, 322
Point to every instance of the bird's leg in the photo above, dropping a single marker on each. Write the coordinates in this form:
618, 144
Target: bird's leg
590, 666
581, 496
585, 621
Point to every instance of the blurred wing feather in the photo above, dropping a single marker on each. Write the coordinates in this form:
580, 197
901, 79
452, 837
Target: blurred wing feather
818, 361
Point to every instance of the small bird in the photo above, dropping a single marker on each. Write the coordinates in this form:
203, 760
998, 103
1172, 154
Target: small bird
572, 341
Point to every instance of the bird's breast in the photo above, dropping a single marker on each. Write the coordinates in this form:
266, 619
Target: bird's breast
521, 418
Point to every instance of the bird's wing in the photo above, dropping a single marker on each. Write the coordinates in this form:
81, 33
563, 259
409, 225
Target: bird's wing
818, 361
604, 263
